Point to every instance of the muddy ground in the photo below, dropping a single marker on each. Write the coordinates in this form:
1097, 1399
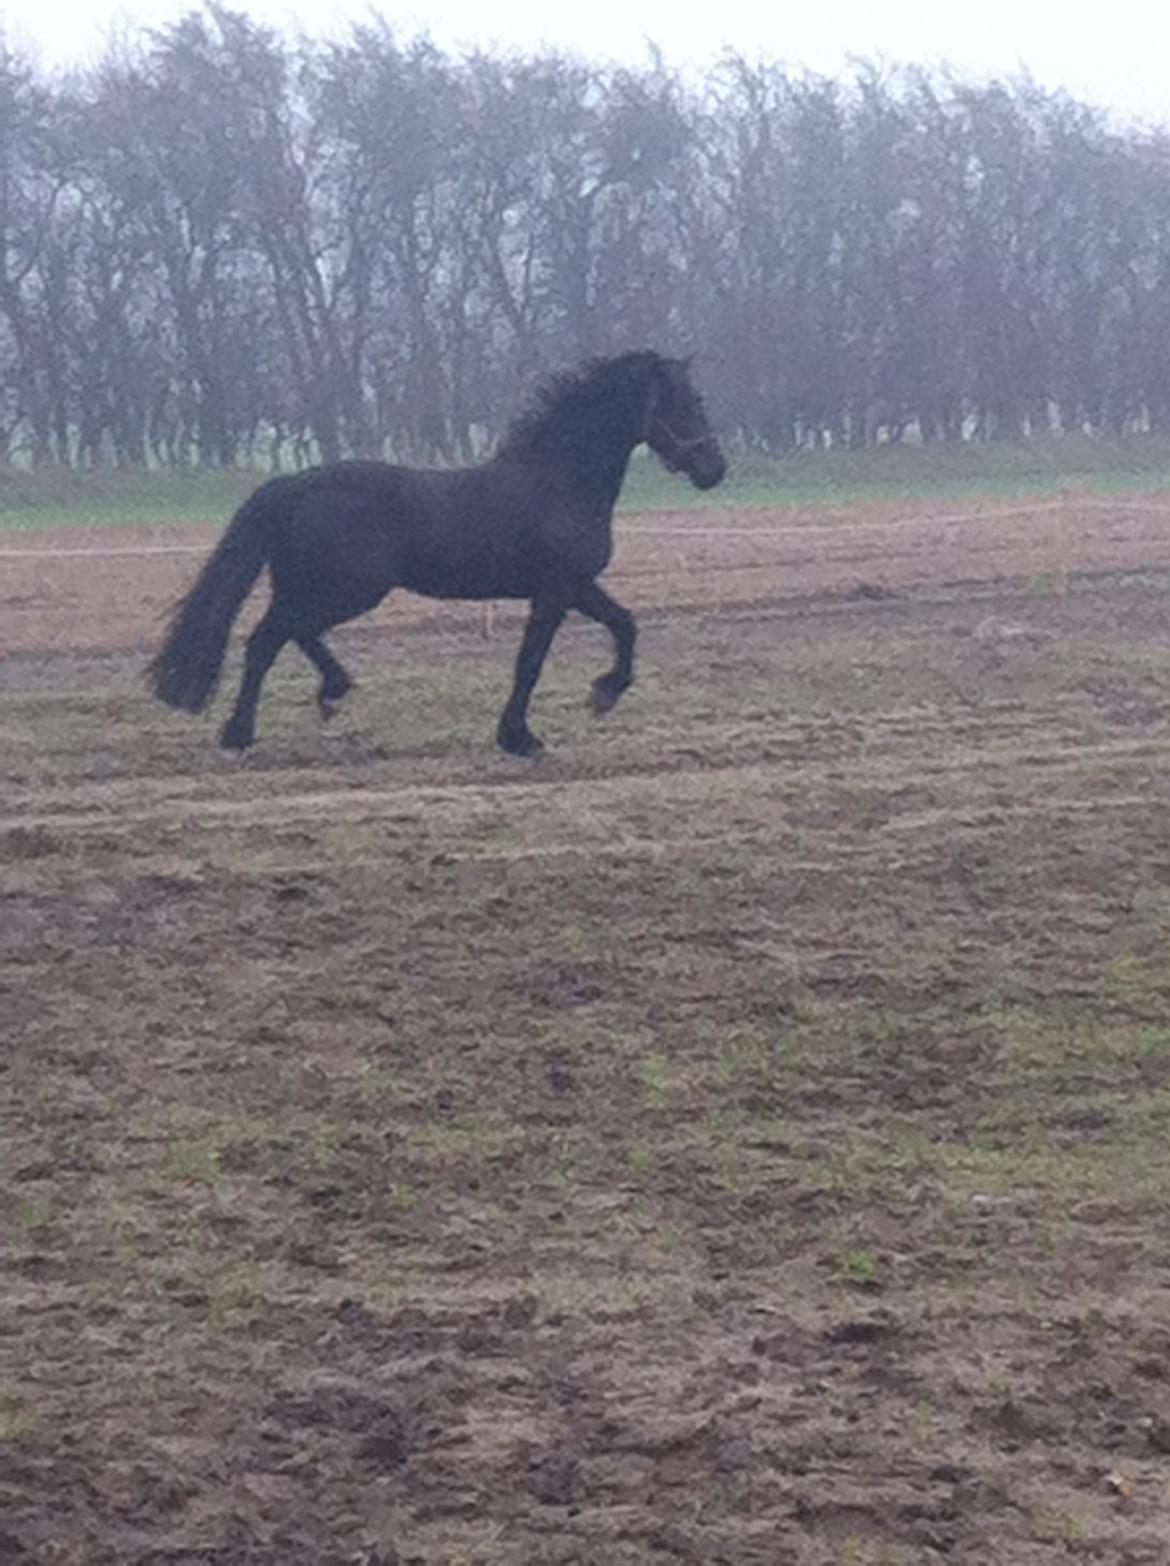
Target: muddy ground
739, 1137
71, 589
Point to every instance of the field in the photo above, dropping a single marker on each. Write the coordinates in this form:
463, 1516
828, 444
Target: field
739, 1137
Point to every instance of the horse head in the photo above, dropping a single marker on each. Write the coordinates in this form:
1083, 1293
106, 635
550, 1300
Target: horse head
676, 427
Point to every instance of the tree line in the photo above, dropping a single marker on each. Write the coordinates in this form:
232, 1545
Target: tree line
220, 245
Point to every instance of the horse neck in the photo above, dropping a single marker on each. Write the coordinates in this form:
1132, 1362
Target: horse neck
585, 440
591, 465
602, 480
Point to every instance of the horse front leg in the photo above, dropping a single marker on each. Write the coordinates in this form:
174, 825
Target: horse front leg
544, 620
591, 600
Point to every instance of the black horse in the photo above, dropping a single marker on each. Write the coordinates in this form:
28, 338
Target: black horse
534, 522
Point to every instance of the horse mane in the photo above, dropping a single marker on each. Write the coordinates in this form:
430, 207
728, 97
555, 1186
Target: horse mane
571, 413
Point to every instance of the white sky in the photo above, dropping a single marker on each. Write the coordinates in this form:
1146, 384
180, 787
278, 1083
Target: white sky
1114, 55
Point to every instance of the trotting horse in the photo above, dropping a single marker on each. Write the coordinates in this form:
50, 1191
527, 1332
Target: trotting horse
534, 522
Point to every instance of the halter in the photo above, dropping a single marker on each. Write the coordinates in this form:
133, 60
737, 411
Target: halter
678, 445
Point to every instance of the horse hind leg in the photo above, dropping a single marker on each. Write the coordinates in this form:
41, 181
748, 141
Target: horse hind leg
335, 678
265, 642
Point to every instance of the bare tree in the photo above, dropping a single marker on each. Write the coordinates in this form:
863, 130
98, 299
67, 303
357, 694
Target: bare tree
220, 246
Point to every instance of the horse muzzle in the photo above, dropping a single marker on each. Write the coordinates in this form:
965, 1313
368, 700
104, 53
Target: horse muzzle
707, 467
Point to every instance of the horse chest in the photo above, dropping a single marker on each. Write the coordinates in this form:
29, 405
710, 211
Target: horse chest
583, 545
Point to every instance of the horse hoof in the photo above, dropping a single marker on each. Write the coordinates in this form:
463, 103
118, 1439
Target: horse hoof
524, 743
603, 697
330, 697
238, 739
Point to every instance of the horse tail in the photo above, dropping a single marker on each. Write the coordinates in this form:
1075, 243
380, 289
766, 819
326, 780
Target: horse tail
185, 670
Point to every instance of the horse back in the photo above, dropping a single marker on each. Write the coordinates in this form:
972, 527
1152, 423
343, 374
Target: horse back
497, 530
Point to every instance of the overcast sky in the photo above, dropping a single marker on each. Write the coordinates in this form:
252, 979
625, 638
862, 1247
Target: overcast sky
1114, 55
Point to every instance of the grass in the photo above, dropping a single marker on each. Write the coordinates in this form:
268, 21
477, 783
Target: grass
58, 498
967, 472
64, 498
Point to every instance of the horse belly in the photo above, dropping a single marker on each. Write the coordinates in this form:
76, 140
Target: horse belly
477, 569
